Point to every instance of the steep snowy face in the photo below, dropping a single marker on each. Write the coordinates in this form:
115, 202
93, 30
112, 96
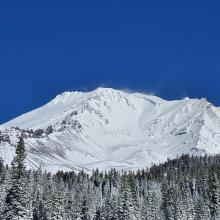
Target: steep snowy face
109, 128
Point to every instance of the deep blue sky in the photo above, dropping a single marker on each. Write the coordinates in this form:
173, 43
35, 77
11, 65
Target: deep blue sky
171, 48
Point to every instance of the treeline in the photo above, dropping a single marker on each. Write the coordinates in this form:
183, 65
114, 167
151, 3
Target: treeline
186, 188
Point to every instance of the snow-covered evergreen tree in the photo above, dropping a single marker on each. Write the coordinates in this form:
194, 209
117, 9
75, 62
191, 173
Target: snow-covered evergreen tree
214, 191
4, 185
125, 202
16, 198
186, 188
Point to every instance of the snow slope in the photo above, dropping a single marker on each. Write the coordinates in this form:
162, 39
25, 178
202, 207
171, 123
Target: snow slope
109, 128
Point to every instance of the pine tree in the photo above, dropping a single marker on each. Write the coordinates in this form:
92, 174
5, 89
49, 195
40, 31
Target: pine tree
168, 204
214, 196
47, 197
58, 212
85, 210
125, 203
4, 185
202, 211
16, 199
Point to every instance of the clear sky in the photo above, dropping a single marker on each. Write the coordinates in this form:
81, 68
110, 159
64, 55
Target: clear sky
170, 48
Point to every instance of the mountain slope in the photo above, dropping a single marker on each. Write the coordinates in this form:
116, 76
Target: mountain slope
109, 128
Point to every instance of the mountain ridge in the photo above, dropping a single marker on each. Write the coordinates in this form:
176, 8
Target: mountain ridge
108, 128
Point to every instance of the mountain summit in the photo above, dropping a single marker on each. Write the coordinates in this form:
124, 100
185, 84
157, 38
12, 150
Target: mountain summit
108, 128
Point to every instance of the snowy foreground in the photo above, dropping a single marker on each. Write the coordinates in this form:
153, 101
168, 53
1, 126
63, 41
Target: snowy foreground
109, 128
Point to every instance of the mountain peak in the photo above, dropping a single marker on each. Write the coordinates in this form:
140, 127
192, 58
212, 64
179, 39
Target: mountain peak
108, 128
102, 91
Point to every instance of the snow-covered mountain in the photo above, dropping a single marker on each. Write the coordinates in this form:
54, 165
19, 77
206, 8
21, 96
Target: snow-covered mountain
109, 128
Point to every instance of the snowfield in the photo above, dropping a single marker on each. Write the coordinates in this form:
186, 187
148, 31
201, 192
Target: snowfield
109, 128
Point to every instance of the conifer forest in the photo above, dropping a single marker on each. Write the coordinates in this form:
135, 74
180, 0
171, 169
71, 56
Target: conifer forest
186, 188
